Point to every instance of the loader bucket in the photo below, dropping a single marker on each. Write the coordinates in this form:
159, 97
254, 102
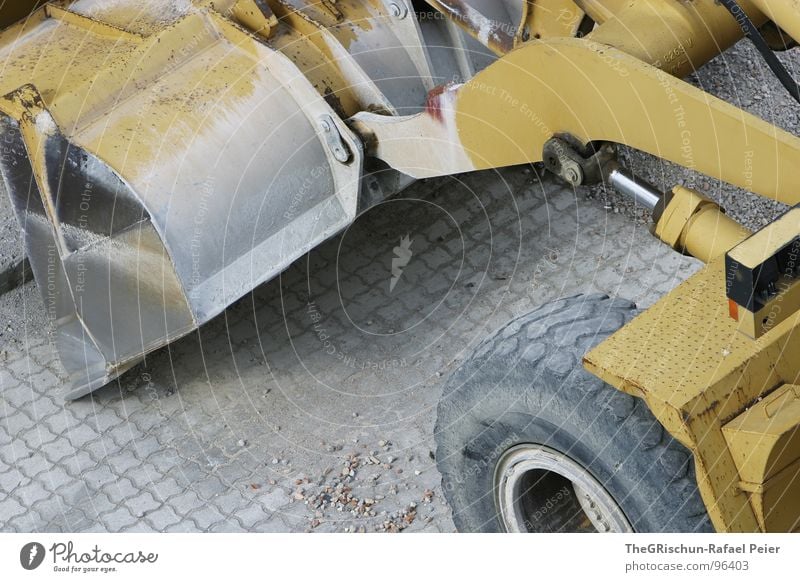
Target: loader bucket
160, 172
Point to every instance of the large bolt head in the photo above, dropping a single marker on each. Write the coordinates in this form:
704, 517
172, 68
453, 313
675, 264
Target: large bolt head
573, 176
398, 10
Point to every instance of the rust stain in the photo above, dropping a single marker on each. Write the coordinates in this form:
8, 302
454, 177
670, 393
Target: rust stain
437, 99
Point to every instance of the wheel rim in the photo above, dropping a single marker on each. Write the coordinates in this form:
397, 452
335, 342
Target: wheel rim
538, 489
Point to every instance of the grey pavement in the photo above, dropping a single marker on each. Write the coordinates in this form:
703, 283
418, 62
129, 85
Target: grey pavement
309, 405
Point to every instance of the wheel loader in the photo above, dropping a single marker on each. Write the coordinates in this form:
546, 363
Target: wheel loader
164, 158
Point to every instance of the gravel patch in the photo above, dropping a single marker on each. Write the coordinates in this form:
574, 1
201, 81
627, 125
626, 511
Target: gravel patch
12, 254
20, 312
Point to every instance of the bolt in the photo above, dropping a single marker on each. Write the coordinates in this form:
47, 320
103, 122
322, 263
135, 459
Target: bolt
398, 11
572, 176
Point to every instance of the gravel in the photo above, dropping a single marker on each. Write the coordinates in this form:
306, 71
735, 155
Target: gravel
19, 312
12, 253
350, 495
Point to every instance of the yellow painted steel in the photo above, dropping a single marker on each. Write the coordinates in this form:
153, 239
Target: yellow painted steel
79, 61
784, 13
555, 18
601, 10
506, 113
256, 16
754, 252
594, 92
764, 441
674, 36
685, 356
694, 224
687, 359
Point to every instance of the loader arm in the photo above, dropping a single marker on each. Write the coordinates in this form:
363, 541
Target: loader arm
593, 91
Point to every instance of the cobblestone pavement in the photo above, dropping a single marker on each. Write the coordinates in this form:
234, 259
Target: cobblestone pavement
310, 404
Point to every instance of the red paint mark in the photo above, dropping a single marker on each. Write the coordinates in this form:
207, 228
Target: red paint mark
733, 309
435, 101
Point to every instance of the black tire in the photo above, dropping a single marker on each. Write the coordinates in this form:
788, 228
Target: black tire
526, 384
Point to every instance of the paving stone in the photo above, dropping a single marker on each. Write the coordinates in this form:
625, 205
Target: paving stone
10, 479
61, 421
185, 526
17, 422
206, 516
191, 448
98, 504
10, 507
165, 488
210, 487
120, 490
25, 522
184, 503
142, 504
35, 464
228, 526
164, 517
229, 503
55, 477
79, 463
139, 527
81, 435
122, 461
31, 492
118, 520
14, 393
58, 451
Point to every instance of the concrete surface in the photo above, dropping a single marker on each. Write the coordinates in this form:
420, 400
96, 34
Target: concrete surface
309, 405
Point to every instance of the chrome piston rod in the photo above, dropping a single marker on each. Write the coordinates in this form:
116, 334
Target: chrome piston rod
640, 191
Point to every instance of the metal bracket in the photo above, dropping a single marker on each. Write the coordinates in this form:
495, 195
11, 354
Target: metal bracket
762, 276
334, 140
576, 164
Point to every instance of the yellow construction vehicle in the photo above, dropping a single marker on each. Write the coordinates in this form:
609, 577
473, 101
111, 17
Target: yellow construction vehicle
166, 157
